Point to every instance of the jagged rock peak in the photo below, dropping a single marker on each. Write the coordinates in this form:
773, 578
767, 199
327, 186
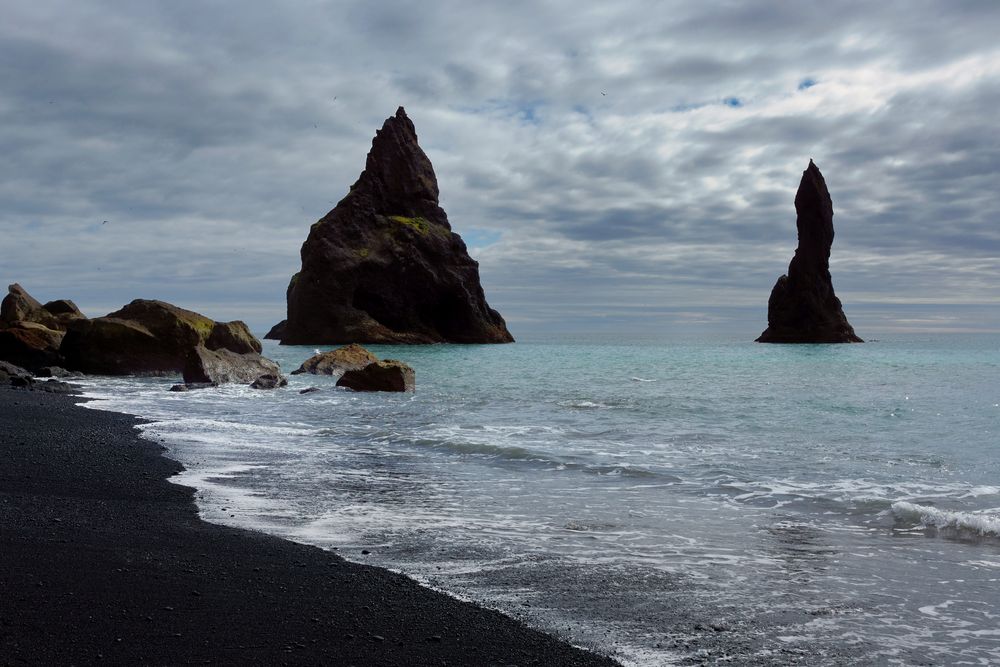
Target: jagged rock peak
384, 266
398, 174
814, 221
803, 307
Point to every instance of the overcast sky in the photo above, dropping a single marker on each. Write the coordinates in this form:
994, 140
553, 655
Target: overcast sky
612, 166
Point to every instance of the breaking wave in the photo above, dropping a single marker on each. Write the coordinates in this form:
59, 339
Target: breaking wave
978, 523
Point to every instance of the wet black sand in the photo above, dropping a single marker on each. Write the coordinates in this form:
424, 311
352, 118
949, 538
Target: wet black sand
102, 561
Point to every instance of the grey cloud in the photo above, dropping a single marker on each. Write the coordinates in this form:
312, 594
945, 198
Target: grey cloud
212, 135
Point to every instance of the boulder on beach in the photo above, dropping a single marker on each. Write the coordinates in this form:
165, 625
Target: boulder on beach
30, 345
803, 307
30, 333
387, 375
20, 378
384, 266
19, 306
9, 371
336, 362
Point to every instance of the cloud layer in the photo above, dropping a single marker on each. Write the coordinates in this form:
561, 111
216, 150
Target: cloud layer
628, 165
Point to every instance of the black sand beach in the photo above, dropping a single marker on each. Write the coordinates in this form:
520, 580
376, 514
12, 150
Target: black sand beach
104, 561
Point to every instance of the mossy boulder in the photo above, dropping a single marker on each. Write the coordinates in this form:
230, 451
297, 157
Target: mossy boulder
148, 337
175, 326
388, 375
336, 362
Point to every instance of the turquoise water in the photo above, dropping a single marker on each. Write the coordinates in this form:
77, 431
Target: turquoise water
660, 501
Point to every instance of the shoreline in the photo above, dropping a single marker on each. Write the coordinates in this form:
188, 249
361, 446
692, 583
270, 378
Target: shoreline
105, 560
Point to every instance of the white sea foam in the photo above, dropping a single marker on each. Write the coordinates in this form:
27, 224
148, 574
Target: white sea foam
975, 522
585, 405
853, 491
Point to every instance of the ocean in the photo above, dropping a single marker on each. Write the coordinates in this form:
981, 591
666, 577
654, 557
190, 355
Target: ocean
662, 501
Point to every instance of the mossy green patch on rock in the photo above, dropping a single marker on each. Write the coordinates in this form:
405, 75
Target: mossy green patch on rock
420, 224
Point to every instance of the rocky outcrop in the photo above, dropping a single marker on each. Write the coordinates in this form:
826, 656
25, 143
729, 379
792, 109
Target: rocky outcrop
388, 375
20, 378
30, 333
9, 370
384, 265
30, 345
19, 306
157, 338
336, 362
803, 307
143, 338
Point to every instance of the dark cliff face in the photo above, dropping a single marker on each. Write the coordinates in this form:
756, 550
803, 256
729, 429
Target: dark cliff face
384, 266
803, 307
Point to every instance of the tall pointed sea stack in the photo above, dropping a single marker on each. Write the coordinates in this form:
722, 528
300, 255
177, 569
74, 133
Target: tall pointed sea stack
803, 307
384, 266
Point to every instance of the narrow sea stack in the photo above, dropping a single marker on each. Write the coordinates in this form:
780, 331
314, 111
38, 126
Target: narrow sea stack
384, 265
803, 307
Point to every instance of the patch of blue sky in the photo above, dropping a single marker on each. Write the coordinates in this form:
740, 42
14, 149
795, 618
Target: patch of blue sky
476, 237
687, 106
525, 110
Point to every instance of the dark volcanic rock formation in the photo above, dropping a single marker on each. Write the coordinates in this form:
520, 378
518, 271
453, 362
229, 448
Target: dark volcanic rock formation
157, 338
384, 266
19, 306
30, 345
30, 333
803, 307
388, 375
143, 338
